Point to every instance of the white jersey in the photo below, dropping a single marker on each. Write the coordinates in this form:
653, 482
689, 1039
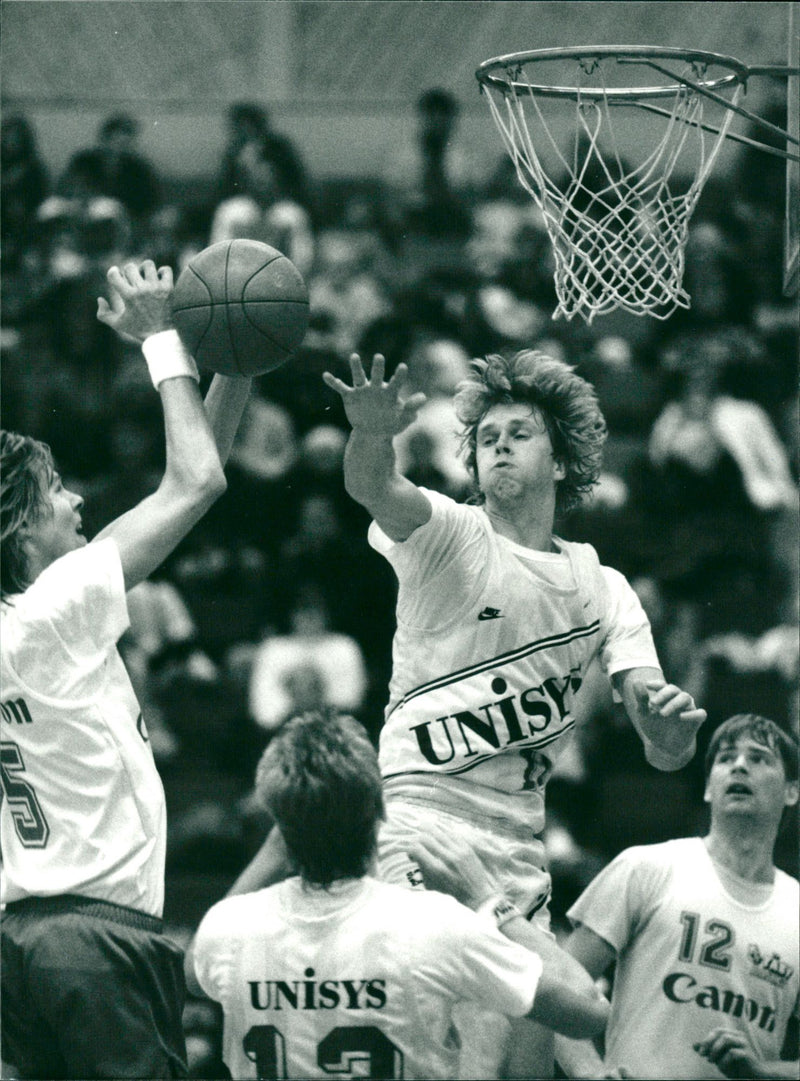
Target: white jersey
83, 805
356, 981
493, 640
696, 950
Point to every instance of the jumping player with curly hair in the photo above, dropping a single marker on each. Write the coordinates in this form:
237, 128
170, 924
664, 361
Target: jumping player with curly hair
497, 617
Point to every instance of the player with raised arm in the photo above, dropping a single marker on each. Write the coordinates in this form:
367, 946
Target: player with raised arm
497, 620
334, 972
91, 987
703, 930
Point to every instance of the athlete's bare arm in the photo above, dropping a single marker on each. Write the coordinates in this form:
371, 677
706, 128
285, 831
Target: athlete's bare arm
665, 716
377, 413
271, 864
193, 478
567, 999
580, 1058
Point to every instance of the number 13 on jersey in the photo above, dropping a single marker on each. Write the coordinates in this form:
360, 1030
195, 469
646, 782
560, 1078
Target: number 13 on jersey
346, 1052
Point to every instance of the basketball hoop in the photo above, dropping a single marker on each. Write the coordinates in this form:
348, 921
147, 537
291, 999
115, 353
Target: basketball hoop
617, 210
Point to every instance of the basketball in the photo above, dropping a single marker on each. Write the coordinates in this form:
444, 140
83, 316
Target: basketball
240, 307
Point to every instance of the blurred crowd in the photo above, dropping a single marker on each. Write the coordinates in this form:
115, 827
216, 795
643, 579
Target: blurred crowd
275, 602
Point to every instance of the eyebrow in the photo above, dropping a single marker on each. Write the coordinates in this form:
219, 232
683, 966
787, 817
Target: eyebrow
493, 425
750, 748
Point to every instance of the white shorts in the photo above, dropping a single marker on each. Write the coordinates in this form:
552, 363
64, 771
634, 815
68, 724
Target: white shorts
516, 864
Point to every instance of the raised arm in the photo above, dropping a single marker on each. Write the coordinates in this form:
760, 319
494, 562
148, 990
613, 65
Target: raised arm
377, 413
224, 404
193, 479
665, 716
269, 865
567, 1000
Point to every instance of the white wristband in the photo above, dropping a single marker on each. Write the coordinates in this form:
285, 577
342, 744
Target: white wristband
167, 358
500, 909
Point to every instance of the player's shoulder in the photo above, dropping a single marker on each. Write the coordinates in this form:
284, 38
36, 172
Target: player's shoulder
427, 910
68, 577
447, 505
788, 885
447, 517
663, 855
238, 914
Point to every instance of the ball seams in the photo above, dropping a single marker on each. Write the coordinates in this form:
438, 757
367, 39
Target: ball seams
232, 276
202, 280
248, 303
228, 327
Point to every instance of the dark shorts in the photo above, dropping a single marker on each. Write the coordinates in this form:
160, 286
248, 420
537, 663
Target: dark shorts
90, 990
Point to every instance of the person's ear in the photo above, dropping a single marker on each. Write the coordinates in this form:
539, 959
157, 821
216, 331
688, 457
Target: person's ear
559, 469
791, 794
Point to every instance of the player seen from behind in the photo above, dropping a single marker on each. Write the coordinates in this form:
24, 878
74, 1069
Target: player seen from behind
331, 970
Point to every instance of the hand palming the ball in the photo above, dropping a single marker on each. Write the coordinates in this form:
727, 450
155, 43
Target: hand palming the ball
372, 405
139, 300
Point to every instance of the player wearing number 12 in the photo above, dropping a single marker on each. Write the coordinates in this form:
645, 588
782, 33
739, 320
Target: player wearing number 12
497, 622
91, 987
333, 973
703, 930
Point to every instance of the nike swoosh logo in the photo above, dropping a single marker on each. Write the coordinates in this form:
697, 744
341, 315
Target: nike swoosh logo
490, 613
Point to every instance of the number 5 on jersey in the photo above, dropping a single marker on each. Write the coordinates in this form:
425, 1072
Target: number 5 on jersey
28, 817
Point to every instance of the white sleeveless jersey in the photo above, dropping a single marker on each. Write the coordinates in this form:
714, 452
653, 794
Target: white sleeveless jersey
83, 804
356, 981
692, 957
493, 640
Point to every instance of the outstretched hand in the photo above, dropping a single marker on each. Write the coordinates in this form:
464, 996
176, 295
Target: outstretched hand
668, 716
372, 406
139, 302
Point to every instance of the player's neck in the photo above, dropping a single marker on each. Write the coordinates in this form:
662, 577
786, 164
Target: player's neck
522, 525
743, 849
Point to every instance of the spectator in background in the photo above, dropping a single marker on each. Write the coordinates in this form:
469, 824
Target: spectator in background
116, 168
246, 123
310, 662
431, 181
260, 507
431, 447
347, 285
77, 358
264, 210
719, 476
25, 183
159, 647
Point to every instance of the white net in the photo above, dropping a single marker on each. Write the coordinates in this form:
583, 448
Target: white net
618, 229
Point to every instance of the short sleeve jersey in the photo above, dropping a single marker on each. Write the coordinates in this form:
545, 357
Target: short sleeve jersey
692, 955
356, 981
83, 805
493, 640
